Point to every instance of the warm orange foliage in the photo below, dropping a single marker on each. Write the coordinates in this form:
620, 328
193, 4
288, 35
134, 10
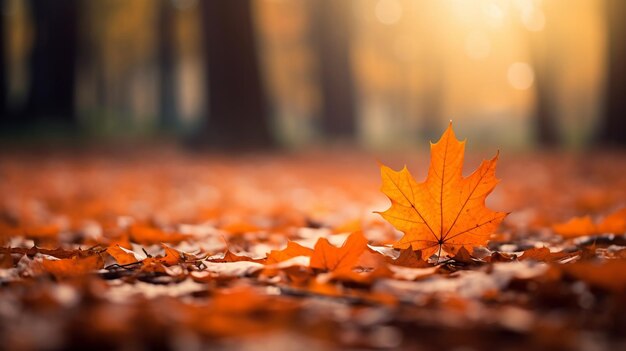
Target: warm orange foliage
148, 235
447, 211
73, 267
338, 259
122, 256
292, 250
544, 254
210, 251
580, 226
608, 275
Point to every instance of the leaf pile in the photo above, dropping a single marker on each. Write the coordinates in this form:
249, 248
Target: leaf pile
159, 249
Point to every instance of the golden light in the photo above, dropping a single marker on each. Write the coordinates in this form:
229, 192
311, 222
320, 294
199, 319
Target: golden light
494, 15
477, 45
388, 11
520, 75
534, 20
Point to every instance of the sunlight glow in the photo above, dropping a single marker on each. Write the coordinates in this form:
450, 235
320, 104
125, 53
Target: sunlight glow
494, 14
521, 75
388, 11
534, 20
477, 45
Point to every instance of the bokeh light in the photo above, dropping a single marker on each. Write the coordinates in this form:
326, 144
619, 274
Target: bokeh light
520, 75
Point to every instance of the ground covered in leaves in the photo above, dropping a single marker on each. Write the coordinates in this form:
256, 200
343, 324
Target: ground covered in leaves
161, 249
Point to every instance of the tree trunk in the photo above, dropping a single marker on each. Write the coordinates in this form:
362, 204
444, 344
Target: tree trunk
613, 129
546, 133
331, 36
4, 112
542, 45
53, 61
238, 115
168, 89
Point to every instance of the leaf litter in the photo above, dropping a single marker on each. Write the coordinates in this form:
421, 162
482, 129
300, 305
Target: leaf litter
193, 251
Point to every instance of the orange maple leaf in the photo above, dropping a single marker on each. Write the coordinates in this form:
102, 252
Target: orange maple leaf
581, 226
339, 259
447, 211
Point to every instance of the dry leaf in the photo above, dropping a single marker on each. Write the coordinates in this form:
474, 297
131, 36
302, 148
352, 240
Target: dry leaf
577, 226
543, 254
409, 258
122, 256
447, 211
582, 226
292, 250
147, 235
344, 258
73, 267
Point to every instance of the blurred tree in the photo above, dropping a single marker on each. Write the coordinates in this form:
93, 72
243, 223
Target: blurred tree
53, 62
331, 36
432, 69
3, 76
545, 116
168, 89
614, 122
237, 105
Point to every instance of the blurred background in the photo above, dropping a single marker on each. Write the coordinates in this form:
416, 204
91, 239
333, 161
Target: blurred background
296, 73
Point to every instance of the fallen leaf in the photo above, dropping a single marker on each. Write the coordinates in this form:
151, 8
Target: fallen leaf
608, 275
582, 226
58, 252
147, 235
463, 256
499, 257
171, 257
73, 267
345, 258
122, 256
575, 227
409, 258
292, 250
614, 223
447, 211
229, 256
543, 254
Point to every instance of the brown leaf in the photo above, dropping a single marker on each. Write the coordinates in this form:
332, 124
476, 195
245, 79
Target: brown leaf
409, 258
229, 256
543, 254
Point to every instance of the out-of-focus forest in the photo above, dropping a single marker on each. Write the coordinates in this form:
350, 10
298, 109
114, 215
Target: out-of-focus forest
293, 73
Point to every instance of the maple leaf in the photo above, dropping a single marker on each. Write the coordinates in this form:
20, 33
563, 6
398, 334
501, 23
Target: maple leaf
447, 211
345, 258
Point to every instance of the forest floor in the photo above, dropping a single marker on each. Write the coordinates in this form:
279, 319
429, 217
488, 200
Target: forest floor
164, 249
